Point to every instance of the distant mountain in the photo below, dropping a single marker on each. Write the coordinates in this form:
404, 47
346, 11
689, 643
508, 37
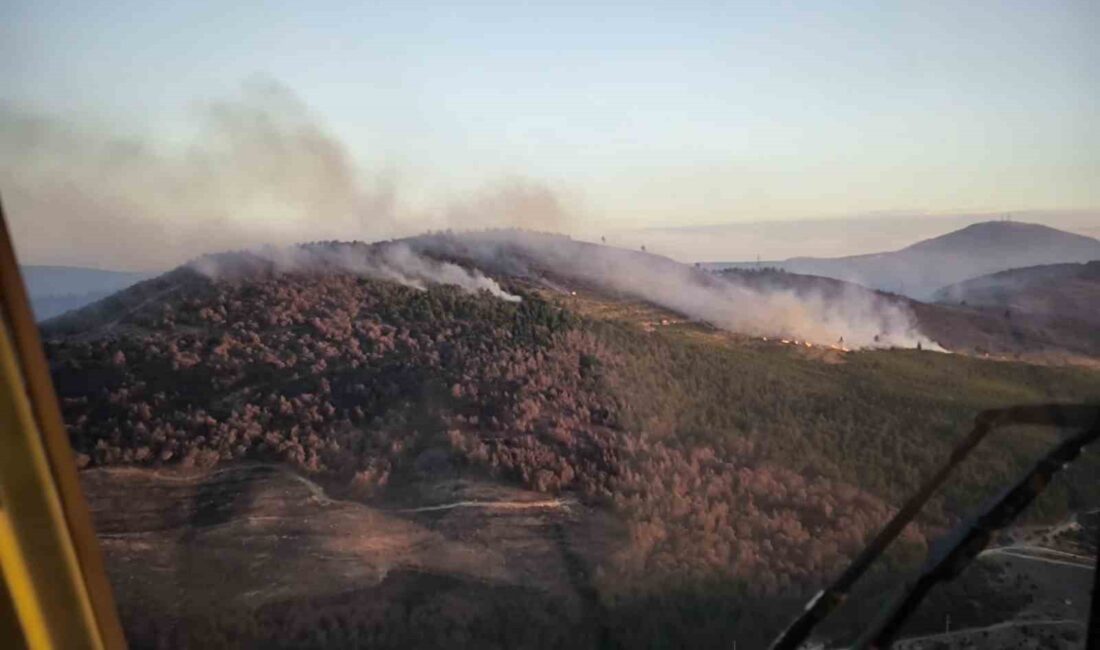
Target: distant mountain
921, 269
54, 290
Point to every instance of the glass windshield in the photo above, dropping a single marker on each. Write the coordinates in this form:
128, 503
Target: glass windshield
520, 326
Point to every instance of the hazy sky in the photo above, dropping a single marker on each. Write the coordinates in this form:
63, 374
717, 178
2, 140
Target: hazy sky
632, 114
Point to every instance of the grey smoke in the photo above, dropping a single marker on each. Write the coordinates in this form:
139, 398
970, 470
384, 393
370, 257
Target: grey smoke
862, 318
260, 169
394, 262
263, 171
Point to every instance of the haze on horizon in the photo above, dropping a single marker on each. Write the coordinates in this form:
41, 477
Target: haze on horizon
136, 135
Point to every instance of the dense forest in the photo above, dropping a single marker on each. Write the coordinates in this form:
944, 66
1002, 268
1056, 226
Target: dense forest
742, 472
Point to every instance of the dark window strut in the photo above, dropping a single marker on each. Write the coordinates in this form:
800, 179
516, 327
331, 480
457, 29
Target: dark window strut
971, 540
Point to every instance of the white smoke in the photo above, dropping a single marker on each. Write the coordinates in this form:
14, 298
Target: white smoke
394, 262
263, 170
860, 317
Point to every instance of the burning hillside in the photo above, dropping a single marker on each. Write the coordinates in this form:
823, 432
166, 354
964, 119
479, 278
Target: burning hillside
861, 318
377, 370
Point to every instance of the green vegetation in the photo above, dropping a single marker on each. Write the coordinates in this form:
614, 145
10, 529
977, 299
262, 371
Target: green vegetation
746, 475
881, 420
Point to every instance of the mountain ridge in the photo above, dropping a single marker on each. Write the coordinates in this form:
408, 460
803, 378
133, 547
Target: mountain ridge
922, 268
56, 289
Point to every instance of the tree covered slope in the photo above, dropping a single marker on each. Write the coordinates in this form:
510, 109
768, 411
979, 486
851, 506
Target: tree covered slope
740, 469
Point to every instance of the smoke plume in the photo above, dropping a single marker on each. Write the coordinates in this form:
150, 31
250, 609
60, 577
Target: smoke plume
394, 262
263, 172
259, 170
860, 317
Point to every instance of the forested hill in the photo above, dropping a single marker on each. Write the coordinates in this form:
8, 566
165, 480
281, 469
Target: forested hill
737, 467
1042, 314
1054, 292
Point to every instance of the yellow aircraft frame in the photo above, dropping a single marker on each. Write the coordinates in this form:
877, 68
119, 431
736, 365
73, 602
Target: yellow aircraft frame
54, 591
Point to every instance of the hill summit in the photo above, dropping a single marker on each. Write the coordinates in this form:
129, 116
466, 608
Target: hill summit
919, 270
1027, 240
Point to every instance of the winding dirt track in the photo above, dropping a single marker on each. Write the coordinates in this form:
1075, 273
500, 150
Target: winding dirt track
551, 504
1038, 553
904, 644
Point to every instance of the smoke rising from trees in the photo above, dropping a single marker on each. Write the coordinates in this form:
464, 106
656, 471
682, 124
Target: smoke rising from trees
262, 171
394, 262
862, 318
